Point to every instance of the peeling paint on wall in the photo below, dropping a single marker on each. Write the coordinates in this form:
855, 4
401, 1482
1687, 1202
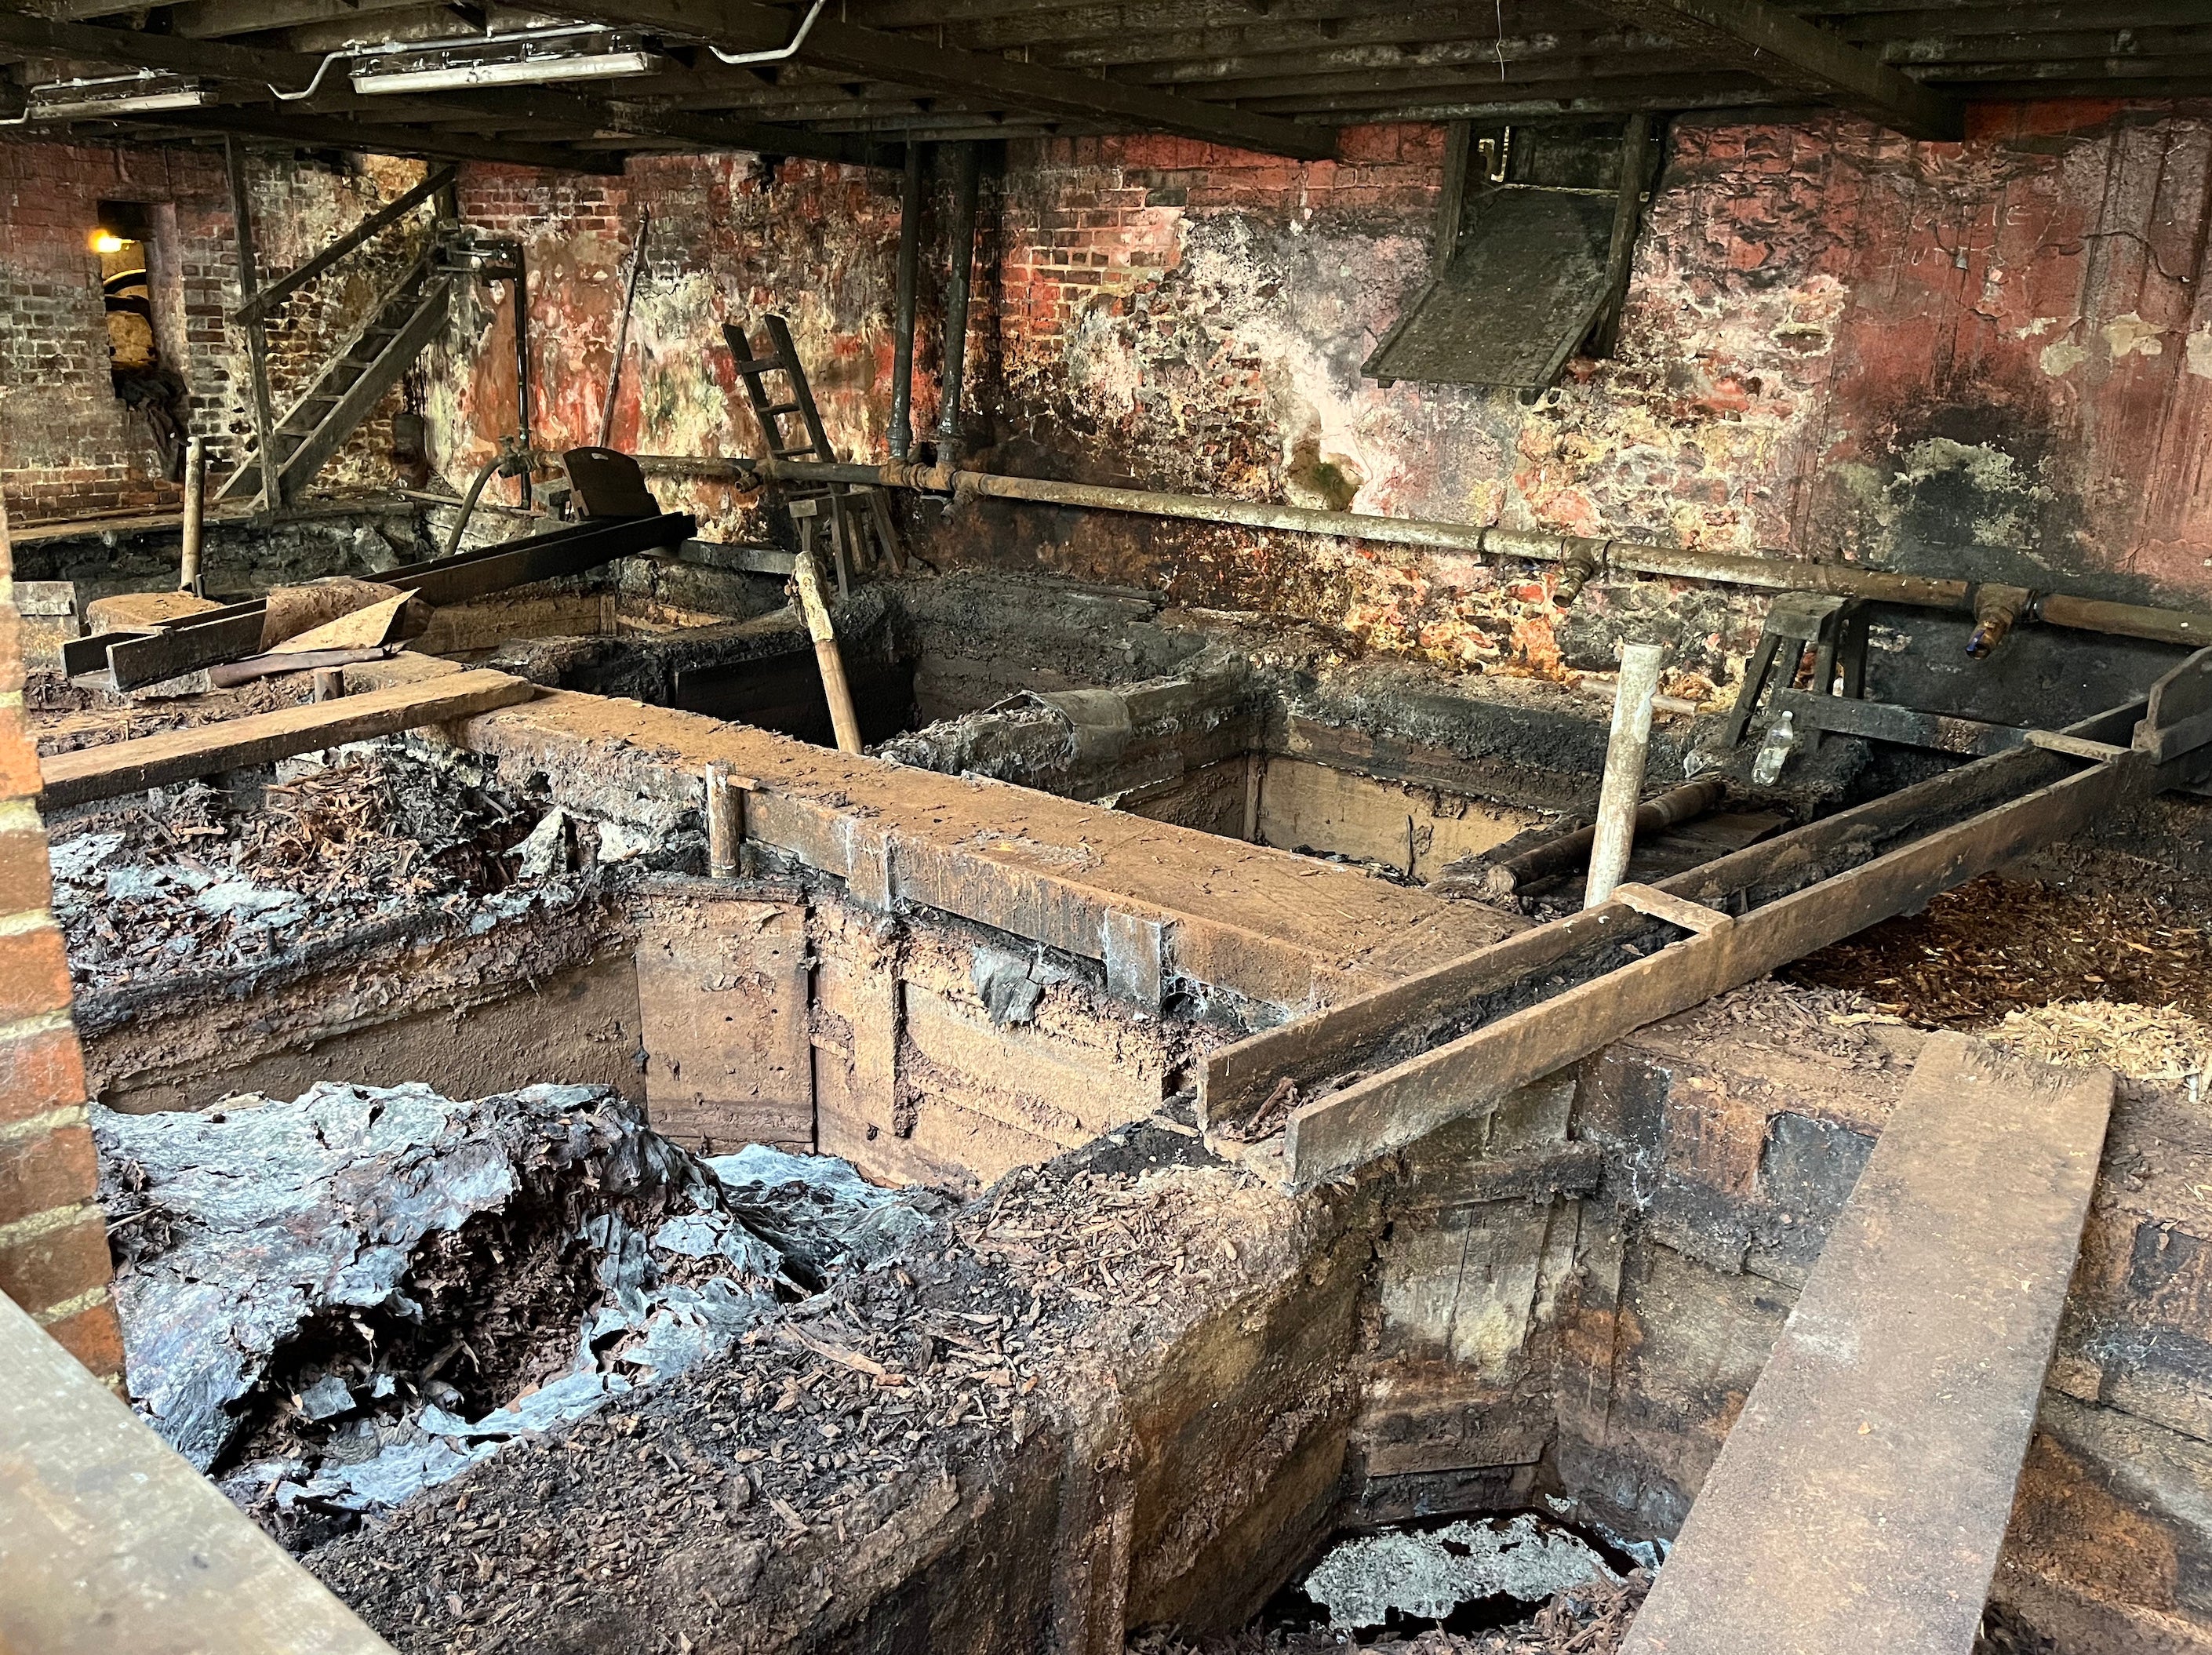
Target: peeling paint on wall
1985, 358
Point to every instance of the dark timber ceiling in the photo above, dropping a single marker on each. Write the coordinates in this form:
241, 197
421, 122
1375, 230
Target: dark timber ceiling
1271, 75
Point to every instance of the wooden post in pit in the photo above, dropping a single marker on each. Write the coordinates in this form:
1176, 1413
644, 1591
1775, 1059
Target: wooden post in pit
726, 822
188, 568
330, 683
1625, 756
807, 575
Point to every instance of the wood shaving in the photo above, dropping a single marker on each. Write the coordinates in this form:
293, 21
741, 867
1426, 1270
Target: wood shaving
2163, 1045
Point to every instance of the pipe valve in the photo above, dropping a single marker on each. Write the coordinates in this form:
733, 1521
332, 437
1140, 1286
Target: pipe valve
1998, 609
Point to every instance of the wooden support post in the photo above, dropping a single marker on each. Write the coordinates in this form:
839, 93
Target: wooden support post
726, 822
1625, 753
257, 334
1451, 200
172, 755
1627, 218
330, 683
188, 568
806, 574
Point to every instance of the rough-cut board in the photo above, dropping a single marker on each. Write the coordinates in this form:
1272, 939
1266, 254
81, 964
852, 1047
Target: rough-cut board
722, 990
1859, 1503
109, 1541
154, 761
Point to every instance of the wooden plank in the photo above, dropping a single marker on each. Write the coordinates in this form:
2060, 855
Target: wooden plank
1348, 1037
154, 761
1239, 1076
1859, 1503
1384, 1112
723, 989
1675, 910
109, 1541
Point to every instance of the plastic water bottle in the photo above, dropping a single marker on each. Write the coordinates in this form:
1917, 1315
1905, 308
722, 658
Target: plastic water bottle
1774, 751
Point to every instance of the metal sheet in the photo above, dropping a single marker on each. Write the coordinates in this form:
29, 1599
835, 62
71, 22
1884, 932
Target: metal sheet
1523, 290
1858, 1505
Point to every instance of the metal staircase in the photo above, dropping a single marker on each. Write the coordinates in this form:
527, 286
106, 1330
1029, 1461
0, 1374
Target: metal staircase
352, 385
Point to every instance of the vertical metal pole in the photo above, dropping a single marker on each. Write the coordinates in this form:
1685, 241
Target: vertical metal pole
909, 251
967, 163
622, 331
1625, 756
188, 568
256, 338
522, 359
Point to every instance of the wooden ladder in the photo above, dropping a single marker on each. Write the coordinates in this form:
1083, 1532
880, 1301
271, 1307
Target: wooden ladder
862, 528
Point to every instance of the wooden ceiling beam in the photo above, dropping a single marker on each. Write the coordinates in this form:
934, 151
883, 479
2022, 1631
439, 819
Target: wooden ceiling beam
210, 20
742, 26
1790, 53
314, 132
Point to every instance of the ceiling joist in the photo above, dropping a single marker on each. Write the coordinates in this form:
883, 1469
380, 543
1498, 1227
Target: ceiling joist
1790, 53
1266, 75
738, 25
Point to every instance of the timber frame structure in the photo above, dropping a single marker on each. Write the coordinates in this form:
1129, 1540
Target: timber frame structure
851, 85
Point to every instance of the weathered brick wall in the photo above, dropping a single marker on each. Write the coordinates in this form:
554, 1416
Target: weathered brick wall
1839, 344
1988, 358
68, 447
816, 241
54, 1235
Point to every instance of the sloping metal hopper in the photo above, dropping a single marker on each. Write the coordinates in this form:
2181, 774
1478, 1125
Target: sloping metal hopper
1524, 288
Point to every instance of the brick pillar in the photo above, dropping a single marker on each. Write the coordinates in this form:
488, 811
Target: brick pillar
54, 1235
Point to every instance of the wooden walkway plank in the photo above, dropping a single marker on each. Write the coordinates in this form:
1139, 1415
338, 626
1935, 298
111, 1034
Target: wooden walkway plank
1859, 1503
109, 1542
154, 761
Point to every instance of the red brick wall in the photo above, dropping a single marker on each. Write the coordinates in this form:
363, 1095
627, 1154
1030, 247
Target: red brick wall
67, 449
1991, 358
54, 1235
816, 241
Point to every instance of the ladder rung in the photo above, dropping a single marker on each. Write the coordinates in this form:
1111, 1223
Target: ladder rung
759, 365
795, 453
782, 408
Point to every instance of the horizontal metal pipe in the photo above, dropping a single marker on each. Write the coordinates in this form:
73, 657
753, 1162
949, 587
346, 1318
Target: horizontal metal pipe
1767, 571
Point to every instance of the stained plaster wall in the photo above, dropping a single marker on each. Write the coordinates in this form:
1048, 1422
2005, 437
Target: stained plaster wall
1988, 357
68, 447
729, 238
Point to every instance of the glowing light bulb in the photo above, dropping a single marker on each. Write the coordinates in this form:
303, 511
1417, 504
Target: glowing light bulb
102, 241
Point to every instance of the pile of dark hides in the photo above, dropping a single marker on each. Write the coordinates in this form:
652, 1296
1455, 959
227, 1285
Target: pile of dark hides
334, 1302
